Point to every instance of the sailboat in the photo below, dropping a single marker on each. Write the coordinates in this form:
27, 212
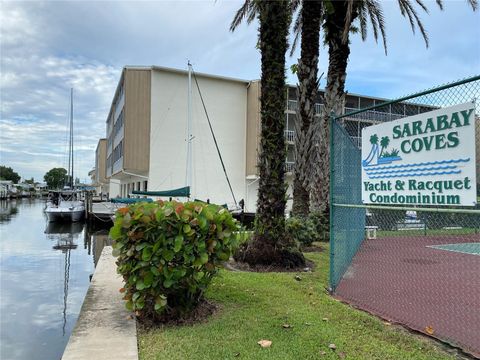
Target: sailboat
65, 205
185, 192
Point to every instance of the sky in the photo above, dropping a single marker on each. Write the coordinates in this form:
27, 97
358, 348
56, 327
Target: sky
46, 48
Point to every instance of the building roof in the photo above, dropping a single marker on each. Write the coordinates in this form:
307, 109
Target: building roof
182, 71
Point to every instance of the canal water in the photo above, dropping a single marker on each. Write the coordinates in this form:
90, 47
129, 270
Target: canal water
45, 271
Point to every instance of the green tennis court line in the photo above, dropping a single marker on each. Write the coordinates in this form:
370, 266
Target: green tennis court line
465, 248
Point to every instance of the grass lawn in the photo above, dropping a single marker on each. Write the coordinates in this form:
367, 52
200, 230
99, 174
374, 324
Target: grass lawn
254, 306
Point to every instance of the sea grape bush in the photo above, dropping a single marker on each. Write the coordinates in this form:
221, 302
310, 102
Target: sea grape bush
308, 230
168, 253
302, 230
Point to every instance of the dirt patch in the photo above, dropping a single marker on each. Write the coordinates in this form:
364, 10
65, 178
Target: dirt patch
233, 265
202, 313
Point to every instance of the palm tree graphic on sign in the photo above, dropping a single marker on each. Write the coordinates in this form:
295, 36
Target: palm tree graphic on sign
378, 154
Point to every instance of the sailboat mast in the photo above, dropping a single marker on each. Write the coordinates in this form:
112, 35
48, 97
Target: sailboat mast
188, 177
71, 136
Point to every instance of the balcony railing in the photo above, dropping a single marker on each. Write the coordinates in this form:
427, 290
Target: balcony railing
376, 116
292, 105
289, 166
290, 135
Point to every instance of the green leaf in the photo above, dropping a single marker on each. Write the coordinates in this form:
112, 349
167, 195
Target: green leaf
168, 282
140, 246
224, 256
140, 285
140, 304
186, 228
168, 254
129, 305
202, 222
126, 222
147, 253
148, 279
135, 296
155, 271
197, 262
198, 275
178, 243
116, 232
156, 246
161, 301
204, 258
116, 252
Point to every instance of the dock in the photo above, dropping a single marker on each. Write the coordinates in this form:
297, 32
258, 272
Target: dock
100, 211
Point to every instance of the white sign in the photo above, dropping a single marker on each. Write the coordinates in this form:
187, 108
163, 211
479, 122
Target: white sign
426, 159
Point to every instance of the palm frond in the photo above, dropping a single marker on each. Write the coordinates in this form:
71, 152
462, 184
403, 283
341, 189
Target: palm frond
348, 20
413, 18
362, 21
247, 11
372, 9
473, 4
422, 5
297, 29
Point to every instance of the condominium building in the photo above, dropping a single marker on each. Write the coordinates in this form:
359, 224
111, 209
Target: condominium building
146, 133
99, 172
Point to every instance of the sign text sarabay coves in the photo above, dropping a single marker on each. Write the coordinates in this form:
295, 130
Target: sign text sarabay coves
426, 159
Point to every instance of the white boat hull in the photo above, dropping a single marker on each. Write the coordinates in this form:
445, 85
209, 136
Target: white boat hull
65, 215
66, 212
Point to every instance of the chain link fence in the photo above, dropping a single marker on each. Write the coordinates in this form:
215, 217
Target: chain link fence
415, 265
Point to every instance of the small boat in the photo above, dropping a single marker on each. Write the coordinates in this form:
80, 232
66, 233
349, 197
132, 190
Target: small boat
65, 205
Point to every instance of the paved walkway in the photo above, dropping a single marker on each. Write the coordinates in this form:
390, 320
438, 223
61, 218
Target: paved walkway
104, 330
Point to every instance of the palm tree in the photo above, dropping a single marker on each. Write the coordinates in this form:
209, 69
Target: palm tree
310, 21
384, 143
270, 245
338, 20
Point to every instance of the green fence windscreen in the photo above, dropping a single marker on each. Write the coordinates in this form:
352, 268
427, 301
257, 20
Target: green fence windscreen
348, 224
414, 265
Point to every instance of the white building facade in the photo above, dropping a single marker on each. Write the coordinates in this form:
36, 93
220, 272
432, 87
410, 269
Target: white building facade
146, 137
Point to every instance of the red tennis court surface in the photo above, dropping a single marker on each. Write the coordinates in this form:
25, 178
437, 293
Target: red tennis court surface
404, 281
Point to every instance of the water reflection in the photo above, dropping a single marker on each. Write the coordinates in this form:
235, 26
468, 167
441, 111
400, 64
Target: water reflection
8, 209
45, 274
64, 235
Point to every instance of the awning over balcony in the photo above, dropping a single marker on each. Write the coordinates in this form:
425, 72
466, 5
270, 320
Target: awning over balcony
180, 192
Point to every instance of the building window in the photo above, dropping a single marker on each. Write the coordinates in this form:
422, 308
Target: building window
145, 184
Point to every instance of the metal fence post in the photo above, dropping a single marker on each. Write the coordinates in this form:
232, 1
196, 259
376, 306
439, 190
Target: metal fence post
331, 207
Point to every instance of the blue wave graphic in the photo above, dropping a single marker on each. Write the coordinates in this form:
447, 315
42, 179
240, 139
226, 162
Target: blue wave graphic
453, 161
417, 174
382, 172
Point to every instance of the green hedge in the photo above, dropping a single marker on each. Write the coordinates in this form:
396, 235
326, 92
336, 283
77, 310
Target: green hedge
168, 253
307, 230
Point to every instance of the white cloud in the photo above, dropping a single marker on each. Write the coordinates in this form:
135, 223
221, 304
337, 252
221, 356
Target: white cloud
48, 47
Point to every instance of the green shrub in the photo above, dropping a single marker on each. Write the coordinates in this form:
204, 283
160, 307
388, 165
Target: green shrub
302, 230
321, 225
305, 231
168, 253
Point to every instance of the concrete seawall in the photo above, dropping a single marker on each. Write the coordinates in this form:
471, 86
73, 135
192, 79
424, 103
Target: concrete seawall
104, 330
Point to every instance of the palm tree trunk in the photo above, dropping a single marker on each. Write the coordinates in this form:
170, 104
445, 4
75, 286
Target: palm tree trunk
270, 245
307, 93
338, 52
